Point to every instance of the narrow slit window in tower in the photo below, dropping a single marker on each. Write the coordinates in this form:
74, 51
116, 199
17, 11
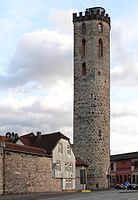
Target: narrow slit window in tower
100, 48
99, 73
100, 134
83, 71
83, 47
100, 27
83, 28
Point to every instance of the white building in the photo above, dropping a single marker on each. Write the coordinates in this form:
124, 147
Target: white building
63, 158
64, 164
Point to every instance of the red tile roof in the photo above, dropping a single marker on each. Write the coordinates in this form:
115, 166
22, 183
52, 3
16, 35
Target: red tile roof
25, 149
80, 162
3, 138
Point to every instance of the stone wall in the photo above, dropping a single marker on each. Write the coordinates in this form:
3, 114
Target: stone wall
26, 173
92, 96
1, 171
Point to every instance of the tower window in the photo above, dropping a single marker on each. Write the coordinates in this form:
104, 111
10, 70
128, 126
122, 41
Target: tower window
83, 47
100, 27
100, 46
99, 73
100, 133
92, 96
83, 71
83, 28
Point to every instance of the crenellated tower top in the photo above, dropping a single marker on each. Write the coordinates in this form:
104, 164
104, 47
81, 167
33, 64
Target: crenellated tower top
92, 13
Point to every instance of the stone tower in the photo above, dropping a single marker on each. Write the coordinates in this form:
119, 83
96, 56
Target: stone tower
92, 92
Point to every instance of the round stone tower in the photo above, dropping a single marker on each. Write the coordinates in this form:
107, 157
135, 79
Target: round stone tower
92, 93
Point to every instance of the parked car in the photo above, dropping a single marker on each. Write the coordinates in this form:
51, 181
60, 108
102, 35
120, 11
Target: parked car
132, 187
128, 187
119, 186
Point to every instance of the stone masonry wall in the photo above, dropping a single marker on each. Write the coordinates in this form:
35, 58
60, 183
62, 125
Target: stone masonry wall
26, 173
1, 171
92, 96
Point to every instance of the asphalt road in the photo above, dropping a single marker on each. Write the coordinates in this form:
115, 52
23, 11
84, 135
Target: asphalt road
104, 195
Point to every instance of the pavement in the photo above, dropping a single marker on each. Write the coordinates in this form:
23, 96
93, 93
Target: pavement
34, 196
104, 195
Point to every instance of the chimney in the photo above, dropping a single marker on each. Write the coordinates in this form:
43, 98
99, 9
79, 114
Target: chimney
38, 136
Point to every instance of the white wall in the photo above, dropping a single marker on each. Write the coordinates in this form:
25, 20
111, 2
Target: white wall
79, 186
64, 158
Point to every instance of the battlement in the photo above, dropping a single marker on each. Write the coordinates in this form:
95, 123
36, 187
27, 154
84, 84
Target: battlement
92, 13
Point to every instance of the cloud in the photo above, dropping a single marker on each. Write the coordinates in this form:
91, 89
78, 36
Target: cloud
62, 20
123, 143
125, 71
47, 114
38, 79
124, 87
124, 51
43, 56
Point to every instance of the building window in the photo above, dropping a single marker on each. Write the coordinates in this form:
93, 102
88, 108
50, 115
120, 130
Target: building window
83, 71
136, 164
71, 167
112, 166
113, 179
100, 27
66, 183
58, 165
83, 28
125, 178
117, 179
68, 149
60, 148
120, 178
83, 47
137, 179
100, 46
66, 167
129, 178
70, 185
134, 179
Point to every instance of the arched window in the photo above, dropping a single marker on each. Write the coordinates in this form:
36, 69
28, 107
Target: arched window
100, 46
83, 47
120, 178
83, 70
83, 28
100, 27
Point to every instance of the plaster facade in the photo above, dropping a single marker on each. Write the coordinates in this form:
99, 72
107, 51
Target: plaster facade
79, 185
64, 164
